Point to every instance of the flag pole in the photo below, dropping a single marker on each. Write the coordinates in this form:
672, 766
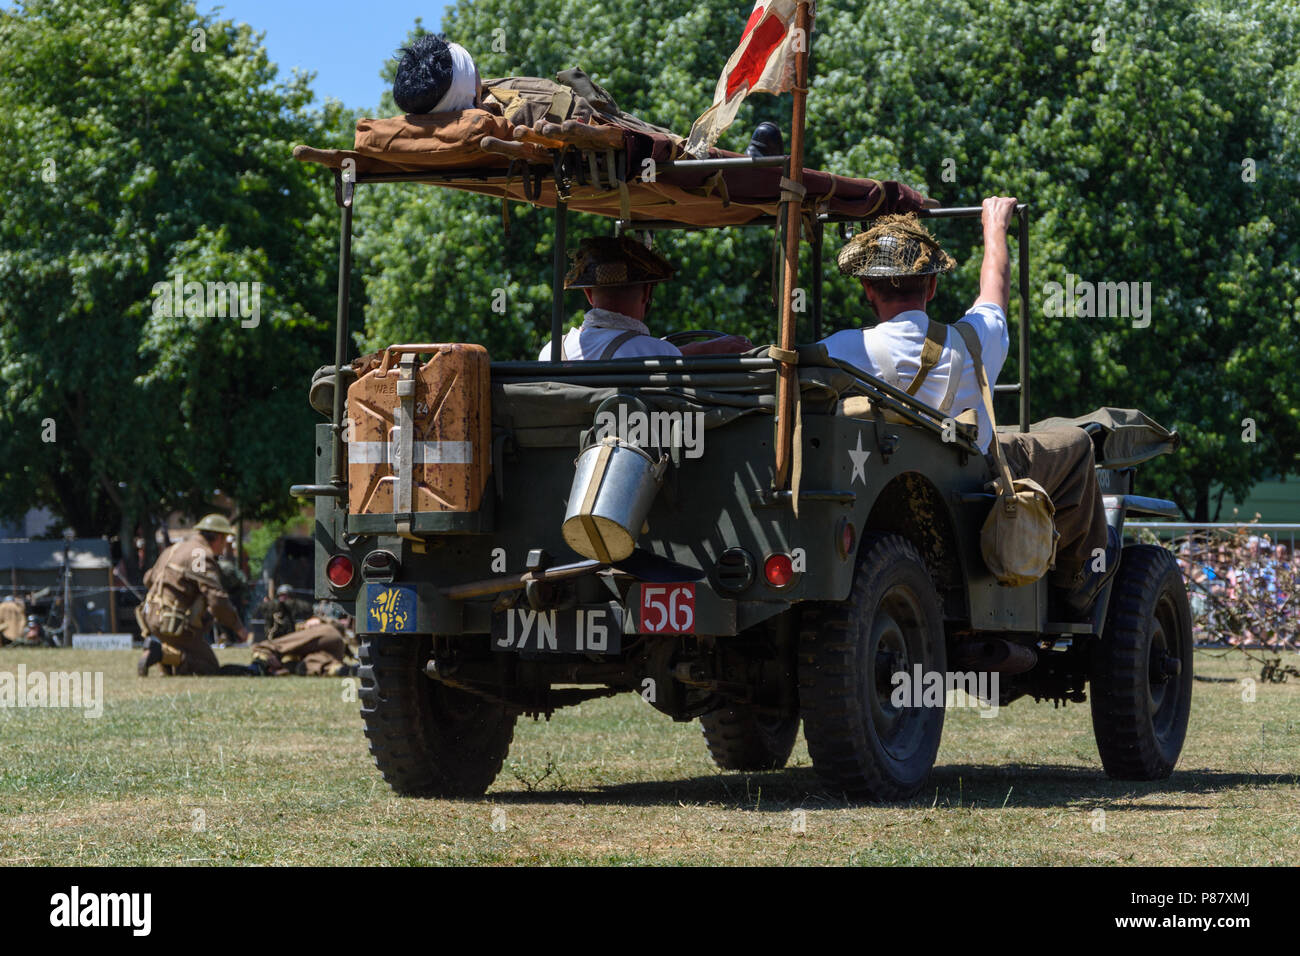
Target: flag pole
792, 201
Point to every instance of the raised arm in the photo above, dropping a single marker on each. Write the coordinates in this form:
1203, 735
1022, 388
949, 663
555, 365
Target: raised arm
995, 273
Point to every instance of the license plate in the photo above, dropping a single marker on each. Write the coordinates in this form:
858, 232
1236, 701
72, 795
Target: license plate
667, 609
595, 629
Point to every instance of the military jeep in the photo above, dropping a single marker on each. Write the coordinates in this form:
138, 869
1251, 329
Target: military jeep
814, 546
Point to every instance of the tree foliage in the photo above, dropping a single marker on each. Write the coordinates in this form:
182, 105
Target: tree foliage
144, 143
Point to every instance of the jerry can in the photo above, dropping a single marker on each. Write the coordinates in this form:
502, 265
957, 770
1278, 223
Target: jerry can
419, 435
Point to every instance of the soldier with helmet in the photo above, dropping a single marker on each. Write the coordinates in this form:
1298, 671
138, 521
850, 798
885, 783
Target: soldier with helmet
184, 585
898, 263
283, 612
618, 276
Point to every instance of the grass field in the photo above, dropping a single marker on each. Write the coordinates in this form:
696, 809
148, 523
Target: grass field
275, 771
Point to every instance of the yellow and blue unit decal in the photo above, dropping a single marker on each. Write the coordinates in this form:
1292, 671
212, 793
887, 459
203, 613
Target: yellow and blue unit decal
390, 609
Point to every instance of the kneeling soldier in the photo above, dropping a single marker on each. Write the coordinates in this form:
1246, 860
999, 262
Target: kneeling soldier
183, 585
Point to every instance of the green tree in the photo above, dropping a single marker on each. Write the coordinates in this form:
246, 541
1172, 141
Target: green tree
1154, 139
144, 143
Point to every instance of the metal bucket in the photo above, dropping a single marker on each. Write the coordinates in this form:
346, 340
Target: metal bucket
614, 484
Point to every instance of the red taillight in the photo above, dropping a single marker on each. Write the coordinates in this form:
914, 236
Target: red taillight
847, 537
779, 570
340, 571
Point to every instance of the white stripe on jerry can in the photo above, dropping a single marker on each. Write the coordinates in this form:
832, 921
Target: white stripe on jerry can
426, 452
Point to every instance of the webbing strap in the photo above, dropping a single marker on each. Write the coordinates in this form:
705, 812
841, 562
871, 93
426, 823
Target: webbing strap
931, 352
587, 520
956, 369
971, 338
617, 343
883, 360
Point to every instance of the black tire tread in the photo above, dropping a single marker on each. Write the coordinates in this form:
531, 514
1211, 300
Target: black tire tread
738, 740
828, 678
416, 755
1122, 727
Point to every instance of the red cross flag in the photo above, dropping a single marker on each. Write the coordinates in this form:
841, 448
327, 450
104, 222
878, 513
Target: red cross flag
762, 63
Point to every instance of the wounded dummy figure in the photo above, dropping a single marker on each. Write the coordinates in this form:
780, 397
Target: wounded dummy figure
437, 76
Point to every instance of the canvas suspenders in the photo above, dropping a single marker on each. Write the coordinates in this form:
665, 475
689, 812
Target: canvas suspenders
608, 351
616, 344
936, 336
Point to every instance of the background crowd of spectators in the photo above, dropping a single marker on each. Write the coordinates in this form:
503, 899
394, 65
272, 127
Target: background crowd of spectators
1242, 589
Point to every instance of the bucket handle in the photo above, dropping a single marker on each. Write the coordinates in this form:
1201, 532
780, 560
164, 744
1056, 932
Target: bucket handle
657, 467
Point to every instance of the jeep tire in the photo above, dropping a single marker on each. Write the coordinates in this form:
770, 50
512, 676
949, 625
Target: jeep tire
1142, 668
861, 744
740, 738
427, 739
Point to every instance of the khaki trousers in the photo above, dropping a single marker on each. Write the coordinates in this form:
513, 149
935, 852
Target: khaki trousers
1061, 460
189, 653
320, 649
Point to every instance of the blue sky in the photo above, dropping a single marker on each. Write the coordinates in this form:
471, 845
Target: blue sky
344, 42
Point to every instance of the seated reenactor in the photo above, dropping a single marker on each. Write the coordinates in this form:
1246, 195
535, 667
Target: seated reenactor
618, 276
898, 263
435, 76
183, 587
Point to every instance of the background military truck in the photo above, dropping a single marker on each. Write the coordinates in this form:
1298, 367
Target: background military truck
509, 553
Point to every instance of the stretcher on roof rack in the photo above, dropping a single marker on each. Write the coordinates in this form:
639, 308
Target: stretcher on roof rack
604, 168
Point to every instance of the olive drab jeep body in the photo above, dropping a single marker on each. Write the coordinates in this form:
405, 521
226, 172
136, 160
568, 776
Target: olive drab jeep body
517, 537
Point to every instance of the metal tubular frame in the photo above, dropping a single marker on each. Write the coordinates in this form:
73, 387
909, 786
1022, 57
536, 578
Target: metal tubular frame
557, 278
892, 398
345, 194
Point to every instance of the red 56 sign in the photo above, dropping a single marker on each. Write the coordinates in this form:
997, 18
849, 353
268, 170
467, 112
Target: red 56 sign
667, 609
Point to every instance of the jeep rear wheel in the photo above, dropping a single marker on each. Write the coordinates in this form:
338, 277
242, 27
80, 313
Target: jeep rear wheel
741, 738
1142, 668
427, 739
861, 740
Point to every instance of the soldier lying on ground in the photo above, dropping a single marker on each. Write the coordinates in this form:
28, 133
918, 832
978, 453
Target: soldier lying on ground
320, 647
183, 588
898, 263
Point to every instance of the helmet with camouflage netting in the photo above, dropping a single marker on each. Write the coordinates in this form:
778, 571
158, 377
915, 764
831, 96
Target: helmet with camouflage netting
894, 247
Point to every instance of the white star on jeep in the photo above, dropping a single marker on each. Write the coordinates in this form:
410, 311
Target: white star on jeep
859, 458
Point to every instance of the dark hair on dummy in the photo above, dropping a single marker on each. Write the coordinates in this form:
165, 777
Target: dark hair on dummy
423, 75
